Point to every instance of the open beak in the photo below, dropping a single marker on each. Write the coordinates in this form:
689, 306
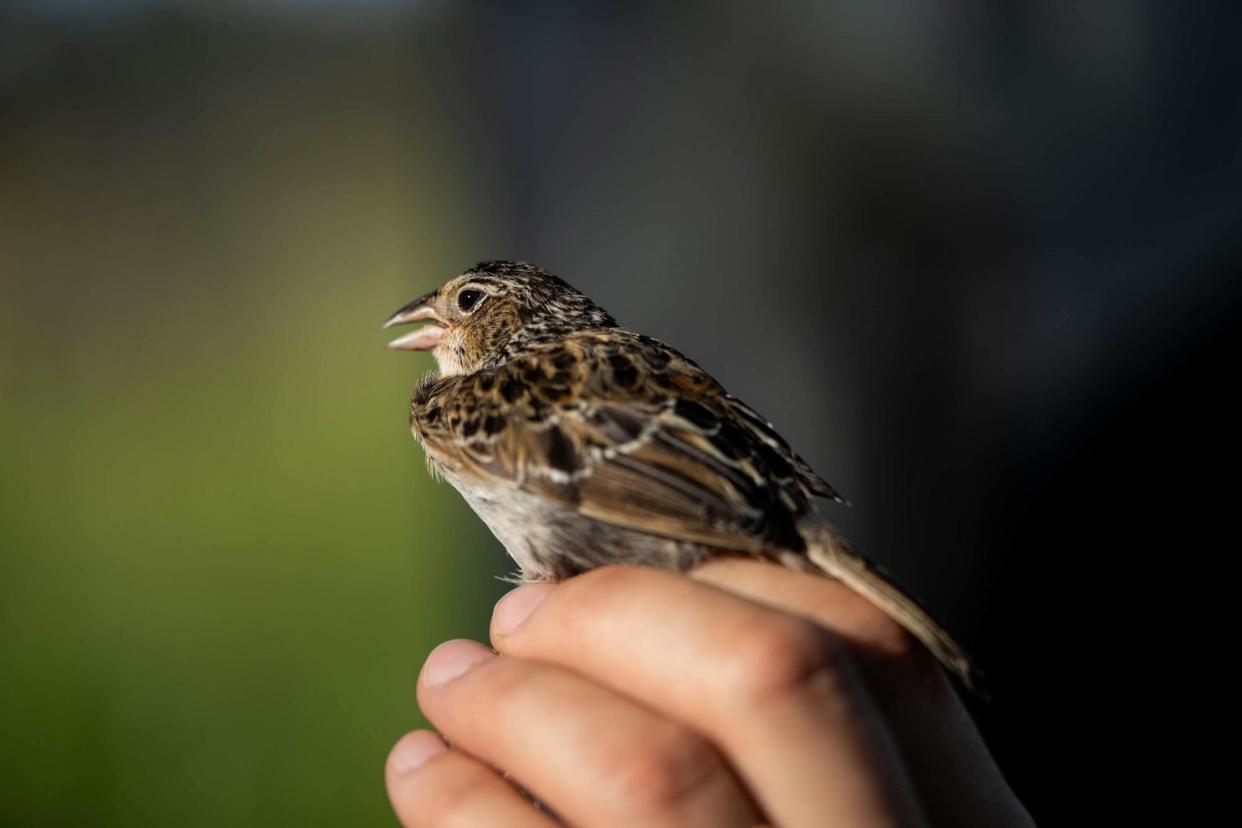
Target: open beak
426, 337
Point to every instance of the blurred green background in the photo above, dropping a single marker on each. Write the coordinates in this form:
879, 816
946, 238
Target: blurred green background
221, 559
977, 261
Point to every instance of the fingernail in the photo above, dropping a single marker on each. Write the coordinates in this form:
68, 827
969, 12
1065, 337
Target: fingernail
453, 658
415, 749
517, 606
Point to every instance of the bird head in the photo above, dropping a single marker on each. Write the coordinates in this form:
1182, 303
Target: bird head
492, 313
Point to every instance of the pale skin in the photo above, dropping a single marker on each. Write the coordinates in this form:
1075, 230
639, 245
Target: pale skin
746, 694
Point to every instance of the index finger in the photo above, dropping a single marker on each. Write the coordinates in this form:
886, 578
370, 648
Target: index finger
777, 693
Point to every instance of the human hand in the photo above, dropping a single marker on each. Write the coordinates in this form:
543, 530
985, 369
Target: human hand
745, 694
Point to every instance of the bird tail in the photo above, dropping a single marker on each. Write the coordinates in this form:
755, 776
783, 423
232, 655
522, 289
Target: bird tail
833, 554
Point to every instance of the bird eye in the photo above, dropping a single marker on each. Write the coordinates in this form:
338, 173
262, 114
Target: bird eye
467, 299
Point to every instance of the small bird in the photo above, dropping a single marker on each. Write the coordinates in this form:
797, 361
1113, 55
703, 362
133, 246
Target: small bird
581, 444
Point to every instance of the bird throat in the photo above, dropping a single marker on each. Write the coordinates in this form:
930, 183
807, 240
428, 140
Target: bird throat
450, 356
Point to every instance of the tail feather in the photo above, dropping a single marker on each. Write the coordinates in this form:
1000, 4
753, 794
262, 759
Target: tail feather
833, 554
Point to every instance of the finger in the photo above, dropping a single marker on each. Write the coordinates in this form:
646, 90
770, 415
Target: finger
430, 784
594, 756
952, 770
891, 659
777, 693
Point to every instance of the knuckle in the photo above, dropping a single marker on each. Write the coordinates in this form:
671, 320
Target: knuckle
781, 656
658, 773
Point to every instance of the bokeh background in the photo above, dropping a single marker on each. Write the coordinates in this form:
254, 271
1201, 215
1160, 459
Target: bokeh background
977, 260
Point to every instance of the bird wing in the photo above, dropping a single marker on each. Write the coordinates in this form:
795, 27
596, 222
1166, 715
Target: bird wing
627, 431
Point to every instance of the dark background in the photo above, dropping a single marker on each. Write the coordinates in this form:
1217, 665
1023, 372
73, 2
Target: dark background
978, 262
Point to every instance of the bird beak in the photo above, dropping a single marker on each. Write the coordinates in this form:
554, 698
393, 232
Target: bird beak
426, 337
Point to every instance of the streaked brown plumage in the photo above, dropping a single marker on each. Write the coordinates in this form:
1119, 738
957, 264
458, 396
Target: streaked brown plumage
582, 444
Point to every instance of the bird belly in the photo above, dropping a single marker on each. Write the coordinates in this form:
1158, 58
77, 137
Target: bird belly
551, 542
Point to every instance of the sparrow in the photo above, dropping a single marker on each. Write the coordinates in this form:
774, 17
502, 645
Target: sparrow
581, 444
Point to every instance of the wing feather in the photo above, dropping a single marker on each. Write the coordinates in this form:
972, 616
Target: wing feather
629, 432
